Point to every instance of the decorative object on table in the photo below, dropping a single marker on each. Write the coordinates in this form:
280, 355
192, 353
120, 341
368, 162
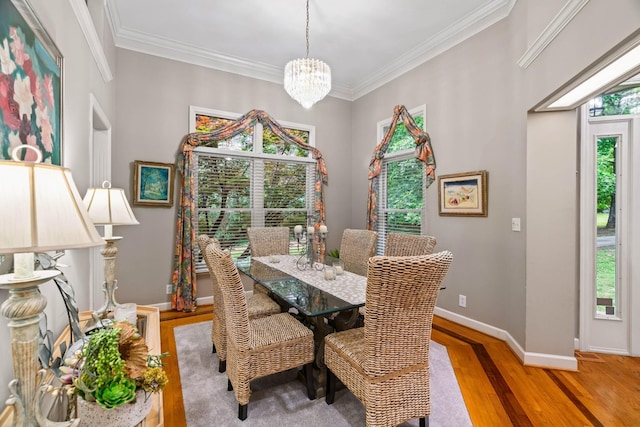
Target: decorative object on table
32, 72
307, 80
153, 183
463, 194
311, 258
45, 213
338, 267
330, 272
108, 206
113, 376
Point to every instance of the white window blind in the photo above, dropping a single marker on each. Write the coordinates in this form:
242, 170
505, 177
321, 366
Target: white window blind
252, 180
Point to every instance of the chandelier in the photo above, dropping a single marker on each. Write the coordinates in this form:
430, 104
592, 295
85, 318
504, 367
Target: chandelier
307, 80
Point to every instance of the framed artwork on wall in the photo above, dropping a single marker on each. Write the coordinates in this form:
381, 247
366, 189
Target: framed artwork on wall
153, 183
463, 194
30, 85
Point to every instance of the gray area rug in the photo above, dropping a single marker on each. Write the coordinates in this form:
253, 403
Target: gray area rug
281, 400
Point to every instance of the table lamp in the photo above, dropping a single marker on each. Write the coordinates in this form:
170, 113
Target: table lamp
42, 211
109, 206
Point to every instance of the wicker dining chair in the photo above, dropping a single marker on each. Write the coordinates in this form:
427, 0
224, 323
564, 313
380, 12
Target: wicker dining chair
385, 364
265, 241
356, 247
402, 244
258, 305
257, 347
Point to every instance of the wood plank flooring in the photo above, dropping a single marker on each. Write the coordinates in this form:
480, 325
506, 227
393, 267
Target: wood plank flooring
498, 390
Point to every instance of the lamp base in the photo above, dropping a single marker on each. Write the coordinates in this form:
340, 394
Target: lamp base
110, 303
110, 284
23, 309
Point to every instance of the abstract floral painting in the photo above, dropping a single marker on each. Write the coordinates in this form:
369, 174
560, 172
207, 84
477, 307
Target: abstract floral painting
30, 85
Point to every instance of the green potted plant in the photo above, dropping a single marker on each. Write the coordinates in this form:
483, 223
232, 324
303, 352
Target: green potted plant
113, 376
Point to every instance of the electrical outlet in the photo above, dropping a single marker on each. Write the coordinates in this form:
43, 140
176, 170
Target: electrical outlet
462, 300
169, 289
515, 224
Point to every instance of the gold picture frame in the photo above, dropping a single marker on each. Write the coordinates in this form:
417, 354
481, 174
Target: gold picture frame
153, 183
463, 194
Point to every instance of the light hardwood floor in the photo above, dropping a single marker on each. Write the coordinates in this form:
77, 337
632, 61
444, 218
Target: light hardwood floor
498, 390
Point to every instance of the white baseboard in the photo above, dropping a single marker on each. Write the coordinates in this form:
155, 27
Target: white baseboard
552, 361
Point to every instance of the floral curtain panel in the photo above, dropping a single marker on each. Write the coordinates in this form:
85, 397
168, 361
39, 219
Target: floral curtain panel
423, 152
184, 271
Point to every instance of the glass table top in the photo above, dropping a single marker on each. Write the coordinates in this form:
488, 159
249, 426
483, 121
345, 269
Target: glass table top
308, 299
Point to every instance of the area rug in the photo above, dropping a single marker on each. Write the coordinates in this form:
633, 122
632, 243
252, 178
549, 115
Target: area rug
281, 400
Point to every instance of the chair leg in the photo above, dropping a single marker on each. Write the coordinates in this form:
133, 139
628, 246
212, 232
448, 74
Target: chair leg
222, 366
308, 373
213, 348
229, 385
242, 412
331, 387
424, 422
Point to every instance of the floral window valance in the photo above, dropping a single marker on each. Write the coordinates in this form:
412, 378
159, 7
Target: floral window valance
423, 152
184, 271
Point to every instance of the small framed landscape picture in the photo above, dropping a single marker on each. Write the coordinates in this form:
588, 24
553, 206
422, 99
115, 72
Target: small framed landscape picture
463, 194
153, 183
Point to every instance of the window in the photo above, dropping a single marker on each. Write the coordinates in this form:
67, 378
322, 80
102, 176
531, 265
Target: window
251, 180
402, 182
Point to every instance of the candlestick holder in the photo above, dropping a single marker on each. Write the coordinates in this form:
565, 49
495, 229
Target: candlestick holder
310, 258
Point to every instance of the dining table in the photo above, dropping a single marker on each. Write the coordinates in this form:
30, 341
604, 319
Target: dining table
321, 296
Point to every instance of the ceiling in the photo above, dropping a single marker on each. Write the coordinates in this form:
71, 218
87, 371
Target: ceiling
365, 42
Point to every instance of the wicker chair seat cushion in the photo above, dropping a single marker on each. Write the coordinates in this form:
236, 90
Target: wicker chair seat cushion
260, 305
349, 343
276, 343
276, 329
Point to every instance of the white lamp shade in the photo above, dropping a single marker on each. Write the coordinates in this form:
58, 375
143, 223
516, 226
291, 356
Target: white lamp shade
109, 206
42, 210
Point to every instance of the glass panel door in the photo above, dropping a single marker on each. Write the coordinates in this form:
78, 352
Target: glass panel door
607, 277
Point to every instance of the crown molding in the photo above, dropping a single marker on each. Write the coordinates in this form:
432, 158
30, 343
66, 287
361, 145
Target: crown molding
557, 24
470, 25
170, 49
89, 30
